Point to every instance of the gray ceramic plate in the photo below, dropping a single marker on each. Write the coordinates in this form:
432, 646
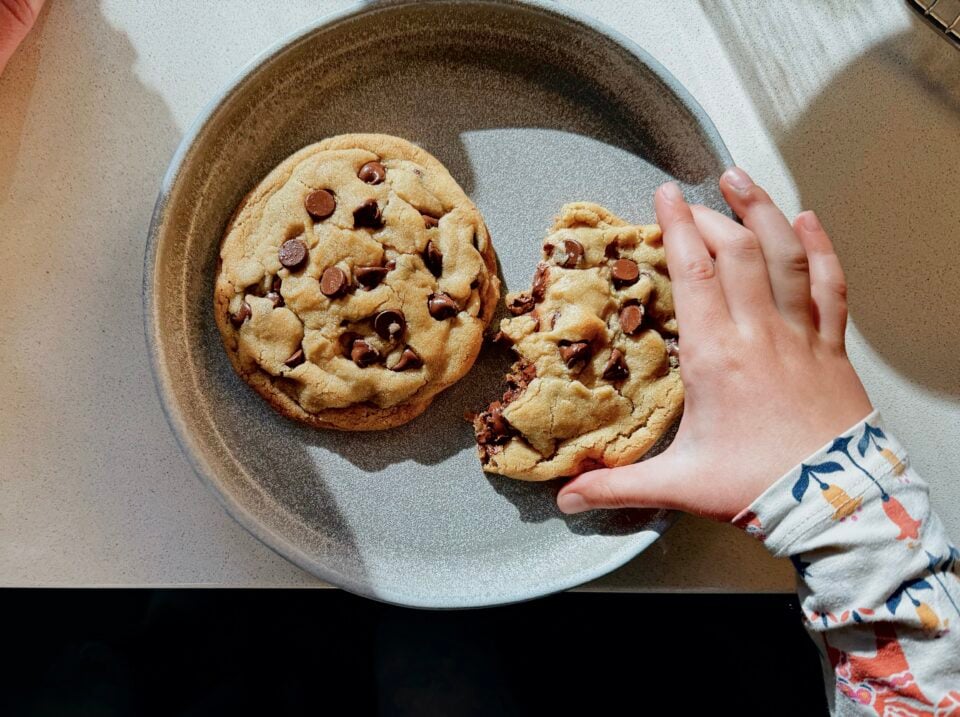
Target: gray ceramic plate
529, 106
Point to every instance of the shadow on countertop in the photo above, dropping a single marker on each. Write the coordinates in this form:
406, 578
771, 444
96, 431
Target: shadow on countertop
881, 175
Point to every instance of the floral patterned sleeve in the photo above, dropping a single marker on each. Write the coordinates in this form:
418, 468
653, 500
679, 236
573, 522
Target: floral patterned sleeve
877, 574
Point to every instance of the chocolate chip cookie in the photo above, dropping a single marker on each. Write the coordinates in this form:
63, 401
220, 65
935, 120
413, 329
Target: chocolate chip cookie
597, 379
355, 283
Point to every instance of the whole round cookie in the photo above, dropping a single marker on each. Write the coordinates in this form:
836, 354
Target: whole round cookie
597, 379
355, 283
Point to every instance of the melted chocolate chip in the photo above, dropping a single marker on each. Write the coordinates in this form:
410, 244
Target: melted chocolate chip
363, 354
320, 203
522, 303
430, 222
275, 298
334, 282
625, 272
442, 306
631, 318
518, 379
296, 359
347, 340
292, 253
370, 276
372, 173
408, 359
243, 313
616, 368
433, 259
367, 215
491, 427
539, 282
575, 352
389, 324
673, 351
572, 253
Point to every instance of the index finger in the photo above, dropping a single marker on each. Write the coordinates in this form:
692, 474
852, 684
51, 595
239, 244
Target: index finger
697, 296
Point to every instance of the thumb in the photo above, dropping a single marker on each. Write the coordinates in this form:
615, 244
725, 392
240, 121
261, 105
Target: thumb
649, 484
16, 19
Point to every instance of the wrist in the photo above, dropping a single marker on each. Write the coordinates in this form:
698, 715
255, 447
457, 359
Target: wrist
831, 485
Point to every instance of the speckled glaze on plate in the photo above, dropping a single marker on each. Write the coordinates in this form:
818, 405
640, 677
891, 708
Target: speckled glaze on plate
529, 106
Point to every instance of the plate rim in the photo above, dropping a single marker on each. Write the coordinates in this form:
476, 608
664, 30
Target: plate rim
191, 448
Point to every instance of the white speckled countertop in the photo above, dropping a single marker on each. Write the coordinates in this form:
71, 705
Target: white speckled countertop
849, 108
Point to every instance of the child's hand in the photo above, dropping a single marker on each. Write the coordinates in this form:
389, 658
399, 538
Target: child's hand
16, 19
762, 310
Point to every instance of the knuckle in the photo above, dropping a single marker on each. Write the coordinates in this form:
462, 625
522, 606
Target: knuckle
837, 287
609, 498
697, 270
682, 219
743, 243
21, 10
796, 261
756, 195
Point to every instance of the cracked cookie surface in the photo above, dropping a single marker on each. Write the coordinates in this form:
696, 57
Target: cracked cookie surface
355, 283
597, 379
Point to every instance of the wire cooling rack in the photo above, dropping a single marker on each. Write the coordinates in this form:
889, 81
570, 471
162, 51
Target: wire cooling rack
942, 15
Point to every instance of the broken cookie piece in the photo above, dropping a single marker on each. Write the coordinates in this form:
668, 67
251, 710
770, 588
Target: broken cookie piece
597, 381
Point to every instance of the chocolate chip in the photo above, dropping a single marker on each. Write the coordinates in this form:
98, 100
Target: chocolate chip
553, 319
539, 282
274, 298
320, 203
575, 352
370, 276
430, 222
521, 304
498, 423
493, 427
363, 354
372, 173
572, 253
296, 359
391, 265
631, 317
442, 306
389, 324
673, 351
433, 259
347, 340
367, 215
243, 313
408, 359
625, 272
611, 252
616, 368
518, 379
292, 253
334, 282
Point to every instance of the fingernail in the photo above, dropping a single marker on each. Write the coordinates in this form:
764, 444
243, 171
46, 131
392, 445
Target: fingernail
810, 221
572, 503
671, 192
738, 179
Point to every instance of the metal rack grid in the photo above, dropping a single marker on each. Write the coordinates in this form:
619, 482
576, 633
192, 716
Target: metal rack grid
942, 15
